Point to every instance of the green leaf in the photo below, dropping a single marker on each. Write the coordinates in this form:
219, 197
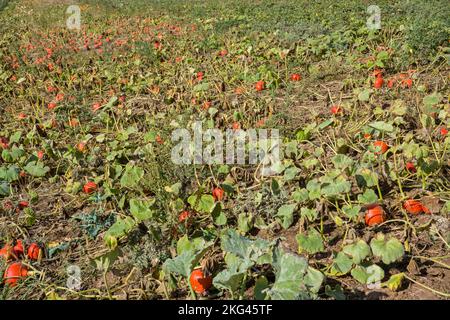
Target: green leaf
290, 173
351, 212
375, 274
366, 178
232, 277
303, 135
110, 103
120, 228
245, 248
357, 251
313, 188
36, 169
131, 177
205, 203
325, 124
218, 215
335, 188
229, 279
311, 243
244, 222
381, 126
389, 251
341, 264
201, 87
300, 195
261, 286
4, 188
184, 263
341, 161
368, 197
286, 213
15, 137
183, 244
432, 99
359, 273
140, 209
11, 174
364, 95
310, 214
313, 280
368, 275
289, 274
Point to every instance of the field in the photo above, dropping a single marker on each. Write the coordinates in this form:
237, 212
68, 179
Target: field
94, 206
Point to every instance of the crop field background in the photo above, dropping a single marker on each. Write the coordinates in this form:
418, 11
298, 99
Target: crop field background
93, 205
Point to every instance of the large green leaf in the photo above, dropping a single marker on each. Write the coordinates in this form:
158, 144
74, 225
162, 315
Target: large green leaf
368, 275
131, 177
9, 174
204, 203
232, 277
357, 251
381, 126
36, 169
341, 264
369, 196
311, 243
341, 161
289, 278
313, 280
256, 251
141, 209
184, 263
261, 286
389, 251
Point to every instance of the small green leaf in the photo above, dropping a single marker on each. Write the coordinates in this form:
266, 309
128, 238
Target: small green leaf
360, 274
395, 281
341, 161
120, 228
131, 177
300, 195
341, 264
310, 214
290, 173
141, 209
364, 95
368, 197
205, 203
381, 126
286, 213
351, 211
